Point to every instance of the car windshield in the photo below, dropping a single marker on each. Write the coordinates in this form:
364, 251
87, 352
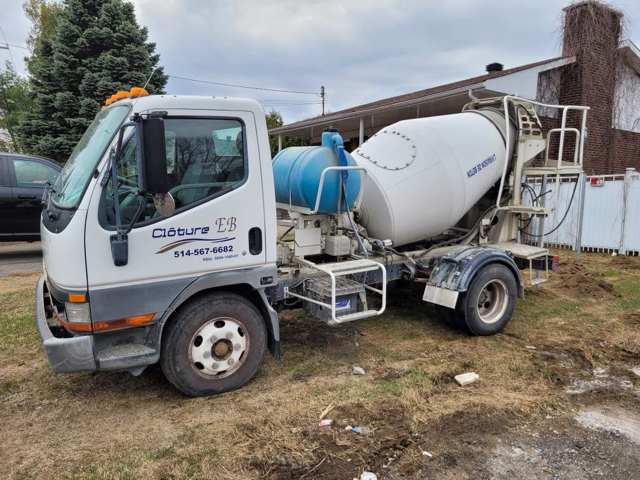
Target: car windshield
75, 175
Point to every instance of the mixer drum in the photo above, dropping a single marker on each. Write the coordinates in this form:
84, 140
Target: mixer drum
424, 174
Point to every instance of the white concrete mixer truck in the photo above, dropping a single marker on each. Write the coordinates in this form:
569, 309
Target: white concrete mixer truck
161, 242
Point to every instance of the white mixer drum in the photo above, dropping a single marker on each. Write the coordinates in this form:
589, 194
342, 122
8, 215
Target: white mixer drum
424, 174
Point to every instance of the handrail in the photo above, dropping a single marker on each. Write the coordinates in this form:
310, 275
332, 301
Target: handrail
321, 184
564, 108
372, 265
570, 130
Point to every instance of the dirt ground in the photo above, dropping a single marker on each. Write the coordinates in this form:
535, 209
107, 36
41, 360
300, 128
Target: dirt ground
558, 396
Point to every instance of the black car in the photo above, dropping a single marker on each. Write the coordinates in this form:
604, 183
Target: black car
22, 182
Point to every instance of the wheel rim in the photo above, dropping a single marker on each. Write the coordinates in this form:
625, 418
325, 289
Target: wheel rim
493, 301
219, 347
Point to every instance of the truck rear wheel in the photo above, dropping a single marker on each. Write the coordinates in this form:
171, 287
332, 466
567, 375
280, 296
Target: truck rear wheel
487, 305
215, 344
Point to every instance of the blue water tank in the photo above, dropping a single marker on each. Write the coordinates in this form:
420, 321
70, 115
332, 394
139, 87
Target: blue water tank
297, 171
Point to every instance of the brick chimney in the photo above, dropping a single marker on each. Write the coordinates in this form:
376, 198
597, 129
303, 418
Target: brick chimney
591, 32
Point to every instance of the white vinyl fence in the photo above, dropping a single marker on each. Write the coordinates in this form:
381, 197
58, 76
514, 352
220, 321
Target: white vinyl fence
611, 214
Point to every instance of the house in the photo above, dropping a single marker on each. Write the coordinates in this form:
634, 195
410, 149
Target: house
596, 69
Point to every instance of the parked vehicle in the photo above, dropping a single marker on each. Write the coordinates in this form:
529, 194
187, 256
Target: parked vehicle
160, 235
22, 182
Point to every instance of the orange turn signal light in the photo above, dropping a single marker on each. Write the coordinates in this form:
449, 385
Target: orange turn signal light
72, 326
138, 92
103, 107
108, 102
123, 322
113, 98
77, 298
122, 94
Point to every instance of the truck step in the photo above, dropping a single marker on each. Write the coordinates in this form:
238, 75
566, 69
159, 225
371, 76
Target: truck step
121, 356
565, 169
352, 266
522, 250
356, 316
530, 209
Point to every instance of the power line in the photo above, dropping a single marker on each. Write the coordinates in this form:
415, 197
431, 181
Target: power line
10, 54
240, 86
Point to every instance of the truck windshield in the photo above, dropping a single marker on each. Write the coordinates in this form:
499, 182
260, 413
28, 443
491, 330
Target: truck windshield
74, 178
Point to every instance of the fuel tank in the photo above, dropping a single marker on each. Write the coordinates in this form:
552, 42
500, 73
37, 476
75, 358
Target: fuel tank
424, 174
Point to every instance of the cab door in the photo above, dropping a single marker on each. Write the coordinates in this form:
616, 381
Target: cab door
214, 170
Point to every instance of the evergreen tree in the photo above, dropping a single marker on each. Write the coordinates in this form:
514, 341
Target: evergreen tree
98, 48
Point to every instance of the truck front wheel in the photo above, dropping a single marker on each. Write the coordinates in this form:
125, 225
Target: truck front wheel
214, 344
487, 305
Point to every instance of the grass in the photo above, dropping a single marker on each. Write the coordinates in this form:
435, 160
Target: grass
17, 326
629, 290
123, 427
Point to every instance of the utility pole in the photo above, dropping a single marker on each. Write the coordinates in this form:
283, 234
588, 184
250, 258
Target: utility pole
322, 95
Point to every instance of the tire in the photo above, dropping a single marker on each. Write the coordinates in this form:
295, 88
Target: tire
215, 344
487, 305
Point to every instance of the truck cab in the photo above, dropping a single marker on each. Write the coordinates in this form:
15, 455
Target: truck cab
99, 312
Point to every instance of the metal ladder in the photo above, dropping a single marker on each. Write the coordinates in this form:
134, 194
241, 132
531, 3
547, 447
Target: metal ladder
338, 269
553, 167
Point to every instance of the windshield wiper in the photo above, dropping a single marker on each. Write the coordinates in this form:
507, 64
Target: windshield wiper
49, 190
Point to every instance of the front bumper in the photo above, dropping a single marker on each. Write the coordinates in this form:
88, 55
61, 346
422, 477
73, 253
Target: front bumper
74, 354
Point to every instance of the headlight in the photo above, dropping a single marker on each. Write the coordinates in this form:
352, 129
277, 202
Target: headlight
78, 312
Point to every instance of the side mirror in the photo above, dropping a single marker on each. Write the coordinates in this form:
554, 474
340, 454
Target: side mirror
156, 179
154, 154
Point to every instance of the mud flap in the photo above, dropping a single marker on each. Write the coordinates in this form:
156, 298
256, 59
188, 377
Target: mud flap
452, 273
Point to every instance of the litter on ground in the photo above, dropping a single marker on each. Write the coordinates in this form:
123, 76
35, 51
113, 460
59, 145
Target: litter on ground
466, 378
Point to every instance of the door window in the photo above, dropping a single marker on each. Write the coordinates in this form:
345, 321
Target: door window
33, 174
205, 158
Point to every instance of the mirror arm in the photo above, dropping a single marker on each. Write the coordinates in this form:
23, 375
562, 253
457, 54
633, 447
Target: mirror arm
116, 194
142, 204
142, 200
119, 242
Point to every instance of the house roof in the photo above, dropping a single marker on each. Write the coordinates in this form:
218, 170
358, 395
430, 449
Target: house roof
402, 99
632, 53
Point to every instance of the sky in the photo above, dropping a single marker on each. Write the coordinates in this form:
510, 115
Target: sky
359, 50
